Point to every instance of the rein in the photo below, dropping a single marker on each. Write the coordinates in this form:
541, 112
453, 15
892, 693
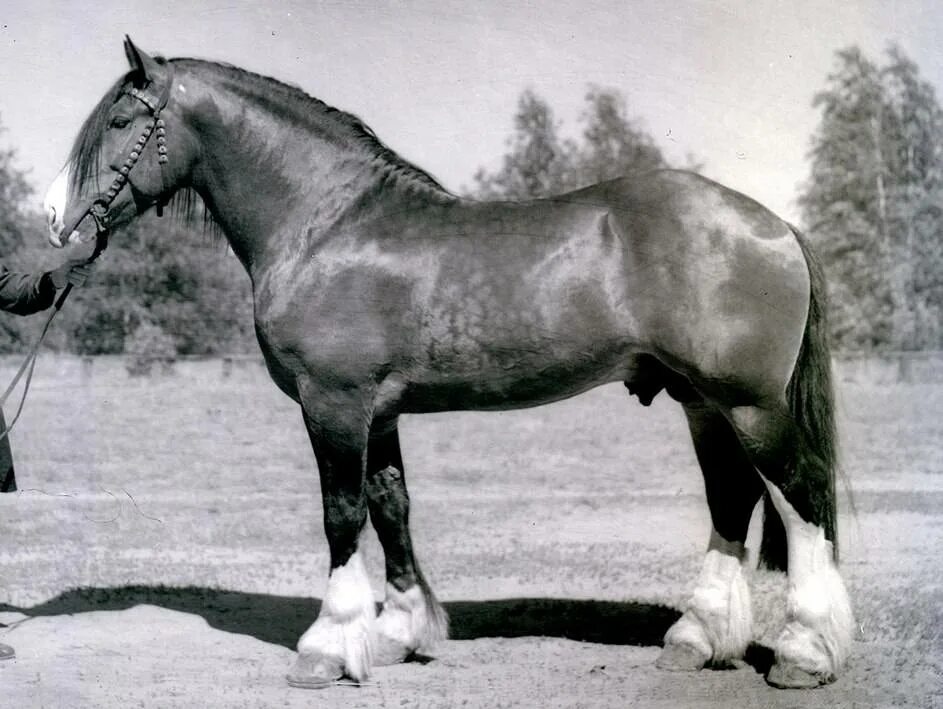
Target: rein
97, 208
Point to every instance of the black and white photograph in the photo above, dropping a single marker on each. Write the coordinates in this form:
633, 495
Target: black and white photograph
574, 354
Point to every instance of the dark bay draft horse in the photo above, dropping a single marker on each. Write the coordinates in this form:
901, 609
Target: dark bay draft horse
377, 293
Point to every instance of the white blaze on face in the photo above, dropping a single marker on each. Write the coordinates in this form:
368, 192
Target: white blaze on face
54, 206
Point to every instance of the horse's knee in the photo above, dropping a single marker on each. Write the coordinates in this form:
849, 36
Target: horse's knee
387, 493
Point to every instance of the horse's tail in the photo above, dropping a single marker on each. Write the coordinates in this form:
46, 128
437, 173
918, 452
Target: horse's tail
810, 397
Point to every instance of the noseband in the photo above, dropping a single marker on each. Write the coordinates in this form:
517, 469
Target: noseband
98, 207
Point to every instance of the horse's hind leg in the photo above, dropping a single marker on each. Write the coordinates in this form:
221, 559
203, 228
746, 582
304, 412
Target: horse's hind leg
816, 641
341, 640
717, 623
411, 617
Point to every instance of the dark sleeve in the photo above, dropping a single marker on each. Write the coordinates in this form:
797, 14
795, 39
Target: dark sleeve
25, 293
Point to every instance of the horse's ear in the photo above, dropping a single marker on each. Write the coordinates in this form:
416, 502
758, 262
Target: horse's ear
142, 64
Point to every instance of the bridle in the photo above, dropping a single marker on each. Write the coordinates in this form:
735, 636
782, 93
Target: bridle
97, 207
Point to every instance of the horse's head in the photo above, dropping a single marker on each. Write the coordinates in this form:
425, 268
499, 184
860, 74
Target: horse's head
133, 152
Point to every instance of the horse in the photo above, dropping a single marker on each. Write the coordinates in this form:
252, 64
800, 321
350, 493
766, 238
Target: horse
377, 292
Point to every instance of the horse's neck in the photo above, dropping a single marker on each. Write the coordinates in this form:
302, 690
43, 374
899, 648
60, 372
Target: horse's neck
271, 183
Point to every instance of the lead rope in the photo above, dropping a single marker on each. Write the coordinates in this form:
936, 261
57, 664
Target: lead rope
101, 242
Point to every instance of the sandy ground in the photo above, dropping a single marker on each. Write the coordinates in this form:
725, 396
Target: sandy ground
166, 550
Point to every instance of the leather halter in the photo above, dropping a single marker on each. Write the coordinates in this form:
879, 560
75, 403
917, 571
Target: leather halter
98, 206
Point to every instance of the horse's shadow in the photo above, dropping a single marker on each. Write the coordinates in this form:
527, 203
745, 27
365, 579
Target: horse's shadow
282, 619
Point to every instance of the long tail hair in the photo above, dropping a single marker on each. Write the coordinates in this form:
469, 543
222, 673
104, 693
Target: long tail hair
811, 400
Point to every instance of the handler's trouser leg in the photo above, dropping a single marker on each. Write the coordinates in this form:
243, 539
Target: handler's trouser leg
7, 477
7, 484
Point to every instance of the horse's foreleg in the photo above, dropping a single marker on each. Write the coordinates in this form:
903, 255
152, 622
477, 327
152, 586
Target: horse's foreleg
816, 641
717, 623
411, 617
341, 640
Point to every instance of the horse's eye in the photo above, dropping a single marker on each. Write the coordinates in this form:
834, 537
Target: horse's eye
119, 122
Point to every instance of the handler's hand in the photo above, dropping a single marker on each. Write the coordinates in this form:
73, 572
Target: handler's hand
75, 271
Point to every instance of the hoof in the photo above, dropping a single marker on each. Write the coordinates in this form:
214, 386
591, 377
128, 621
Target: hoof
315, 671
789, 676
681, 657
6, 652
389, 651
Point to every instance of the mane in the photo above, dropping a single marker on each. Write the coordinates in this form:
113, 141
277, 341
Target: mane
309, 111
290, 101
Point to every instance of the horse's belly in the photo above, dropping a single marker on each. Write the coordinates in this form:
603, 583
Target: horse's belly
499, 382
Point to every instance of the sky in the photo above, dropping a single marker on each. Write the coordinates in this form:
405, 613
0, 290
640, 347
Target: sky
730, 82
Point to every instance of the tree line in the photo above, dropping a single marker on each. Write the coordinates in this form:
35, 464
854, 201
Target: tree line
872, 206
873, 203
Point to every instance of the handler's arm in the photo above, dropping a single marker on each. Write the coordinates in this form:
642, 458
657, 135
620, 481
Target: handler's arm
25, 293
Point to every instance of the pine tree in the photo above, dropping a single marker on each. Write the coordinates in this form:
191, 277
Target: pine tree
613, 144
539, 163
917, 203
20, 230
536, 162
14, 195
871, 203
